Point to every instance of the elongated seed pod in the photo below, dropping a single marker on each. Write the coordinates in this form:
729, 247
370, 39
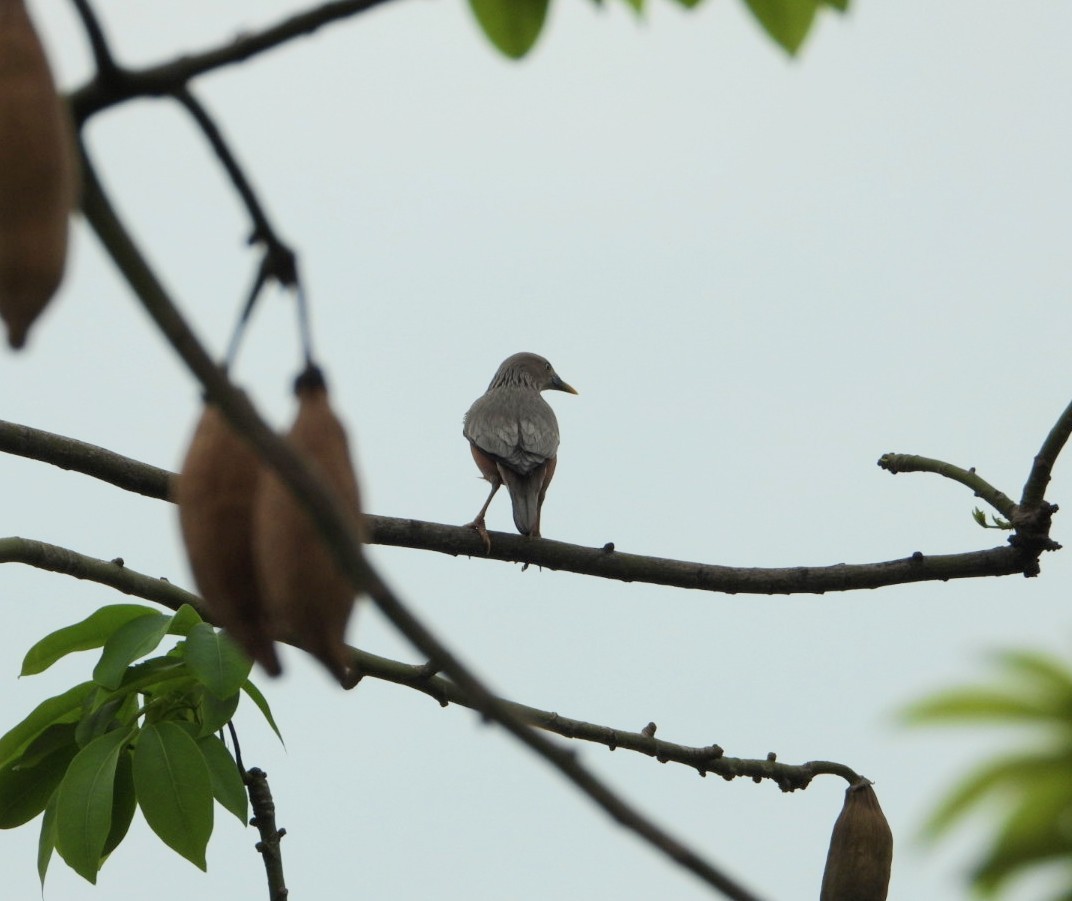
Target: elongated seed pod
861, 850
309, 597
214, 493
37, 175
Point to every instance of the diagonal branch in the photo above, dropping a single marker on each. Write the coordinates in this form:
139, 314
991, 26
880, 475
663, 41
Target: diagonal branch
421, 677
604, 562
122, 85
332, 521
1039, 478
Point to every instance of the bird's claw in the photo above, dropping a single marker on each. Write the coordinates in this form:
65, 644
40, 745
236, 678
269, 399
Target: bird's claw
478, 526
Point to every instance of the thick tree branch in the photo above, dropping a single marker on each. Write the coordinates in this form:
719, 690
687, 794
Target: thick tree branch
333, 523
604, 562
105, 90
88, 459
423, 678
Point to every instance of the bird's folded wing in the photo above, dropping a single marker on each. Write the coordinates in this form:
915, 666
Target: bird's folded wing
516, 426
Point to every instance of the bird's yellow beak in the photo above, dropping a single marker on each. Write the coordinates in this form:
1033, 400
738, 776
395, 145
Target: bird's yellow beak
558, 385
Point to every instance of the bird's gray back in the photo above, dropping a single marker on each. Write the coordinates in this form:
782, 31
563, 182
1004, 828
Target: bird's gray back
515, 425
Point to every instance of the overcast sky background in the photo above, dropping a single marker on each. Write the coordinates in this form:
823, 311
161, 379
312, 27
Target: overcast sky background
760, 273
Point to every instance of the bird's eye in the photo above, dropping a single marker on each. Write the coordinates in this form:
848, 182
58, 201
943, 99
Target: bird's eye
547, 366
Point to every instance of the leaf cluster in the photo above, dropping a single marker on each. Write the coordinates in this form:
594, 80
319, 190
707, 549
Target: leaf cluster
140, 733
514, 25
1032, 786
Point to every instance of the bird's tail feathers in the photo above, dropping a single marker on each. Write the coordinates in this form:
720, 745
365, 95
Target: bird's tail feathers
525, 498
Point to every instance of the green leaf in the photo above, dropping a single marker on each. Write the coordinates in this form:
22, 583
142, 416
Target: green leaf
92, 632
64, 708
124, 802
636, 5
787, 21
975, 705
227, 785
55, 736
25, 790
214, 713
129, 642
84, 806
216, 661
100, 720
174, 790
1034, 832
1041, 672
511, 25
1002, 775
46, 842
185, 619
840, 5
262, 705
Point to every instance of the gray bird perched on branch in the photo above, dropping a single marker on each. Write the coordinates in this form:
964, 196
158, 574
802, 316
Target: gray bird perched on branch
513, 435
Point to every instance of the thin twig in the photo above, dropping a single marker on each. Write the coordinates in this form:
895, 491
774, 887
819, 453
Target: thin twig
604, 562
279, 262
334, 525
102, 54
263, 806
896, 463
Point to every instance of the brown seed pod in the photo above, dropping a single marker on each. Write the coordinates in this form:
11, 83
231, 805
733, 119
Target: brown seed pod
310, 599
37, 175
861, 850
214, 493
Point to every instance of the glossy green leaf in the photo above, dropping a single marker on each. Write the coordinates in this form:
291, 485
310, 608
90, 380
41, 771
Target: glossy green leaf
62, 708
215, 713
92, 632
84, 805
511, 25
46, 842
53, 737
185, 619
25, 790
216, 660
787, 21
154, 675
174, 790
124, 802
262, 705
227, 785
100, 720
128, 643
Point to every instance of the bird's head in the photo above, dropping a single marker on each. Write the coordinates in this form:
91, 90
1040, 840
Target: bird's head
530, 371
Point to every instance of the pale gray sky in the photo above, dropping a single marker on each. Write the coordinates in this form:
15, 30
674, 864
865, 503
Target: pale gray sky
760, 273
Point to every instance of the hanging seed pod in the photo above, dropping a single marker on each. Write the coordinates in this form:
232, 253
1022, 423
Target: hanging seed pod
37, 175
310, 599
214, 493
861, 850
